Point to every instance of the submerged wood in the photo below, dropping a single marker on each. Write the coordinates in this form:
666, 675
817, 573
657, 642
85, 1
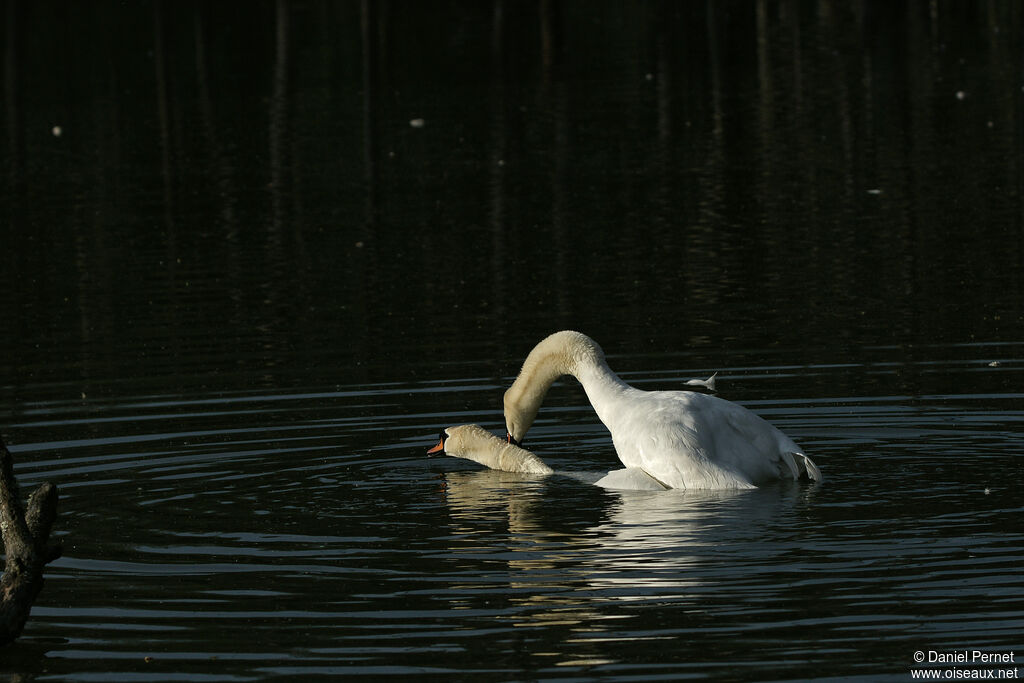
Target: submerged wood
27, 548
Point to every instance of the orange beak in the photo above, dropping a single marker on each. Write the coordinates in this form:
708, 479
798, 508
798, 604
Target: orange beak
439, 448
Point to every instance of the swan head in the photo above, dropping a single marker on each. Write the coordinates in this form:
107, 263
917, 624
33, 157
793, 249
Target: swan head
479, 445
519, 417
465, 441
561, 353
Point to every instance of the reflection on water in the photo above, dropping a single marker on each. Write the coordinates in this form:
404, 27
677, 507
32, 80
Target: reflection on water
242, 292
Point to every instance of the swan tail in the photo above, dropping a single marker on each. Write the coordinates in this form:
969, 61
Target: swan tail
789, 459
807, 466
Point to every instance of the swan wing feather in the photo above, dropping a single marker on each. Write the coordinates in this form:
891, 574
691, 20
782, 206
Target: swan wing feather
631, 479
690, 440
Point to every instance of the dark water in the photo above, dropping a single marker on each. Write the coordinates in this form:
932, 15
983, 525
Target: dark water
255, 255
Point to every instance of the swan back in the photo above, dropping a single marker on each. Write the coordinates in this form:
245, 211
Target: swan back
473, 442
561, 353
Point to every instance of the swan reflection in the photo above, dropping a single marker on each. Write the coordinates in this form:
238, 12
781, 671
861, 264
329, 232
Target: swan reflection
580, 556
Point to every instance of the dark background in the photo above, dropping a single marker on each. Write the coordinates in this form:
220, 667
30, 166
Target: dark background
238, 185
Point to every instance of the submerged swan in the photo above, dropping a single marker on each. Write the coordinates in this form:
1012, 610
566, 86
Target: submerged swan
682, 439
473, 442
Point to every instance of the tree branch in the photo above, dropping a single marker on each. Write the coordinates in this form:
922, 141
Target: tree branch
27, 547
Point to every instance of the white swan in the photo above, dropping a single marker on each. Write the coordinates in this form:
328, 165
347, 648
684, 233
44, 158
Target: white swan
683, 439
473, 442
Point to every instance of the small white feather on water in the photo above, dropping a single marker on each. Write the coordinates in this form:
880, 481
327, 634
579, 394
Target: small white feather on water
708, 383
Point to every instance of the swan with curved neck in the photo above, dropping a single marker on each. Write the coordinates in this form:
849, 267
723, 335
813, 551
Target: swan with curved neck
682, 439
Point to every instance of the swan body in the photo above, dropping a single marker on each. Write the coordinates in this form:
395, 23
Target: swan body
473, 442
682, 439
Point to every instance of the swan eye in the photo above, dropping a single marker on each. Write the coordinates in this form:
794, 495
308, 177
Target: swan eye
443, 435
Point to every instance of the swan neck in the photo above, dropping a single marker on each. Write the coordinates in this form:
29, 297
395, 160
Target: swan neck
506, 457
604, 388
563, 353
553, 357
512, 458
